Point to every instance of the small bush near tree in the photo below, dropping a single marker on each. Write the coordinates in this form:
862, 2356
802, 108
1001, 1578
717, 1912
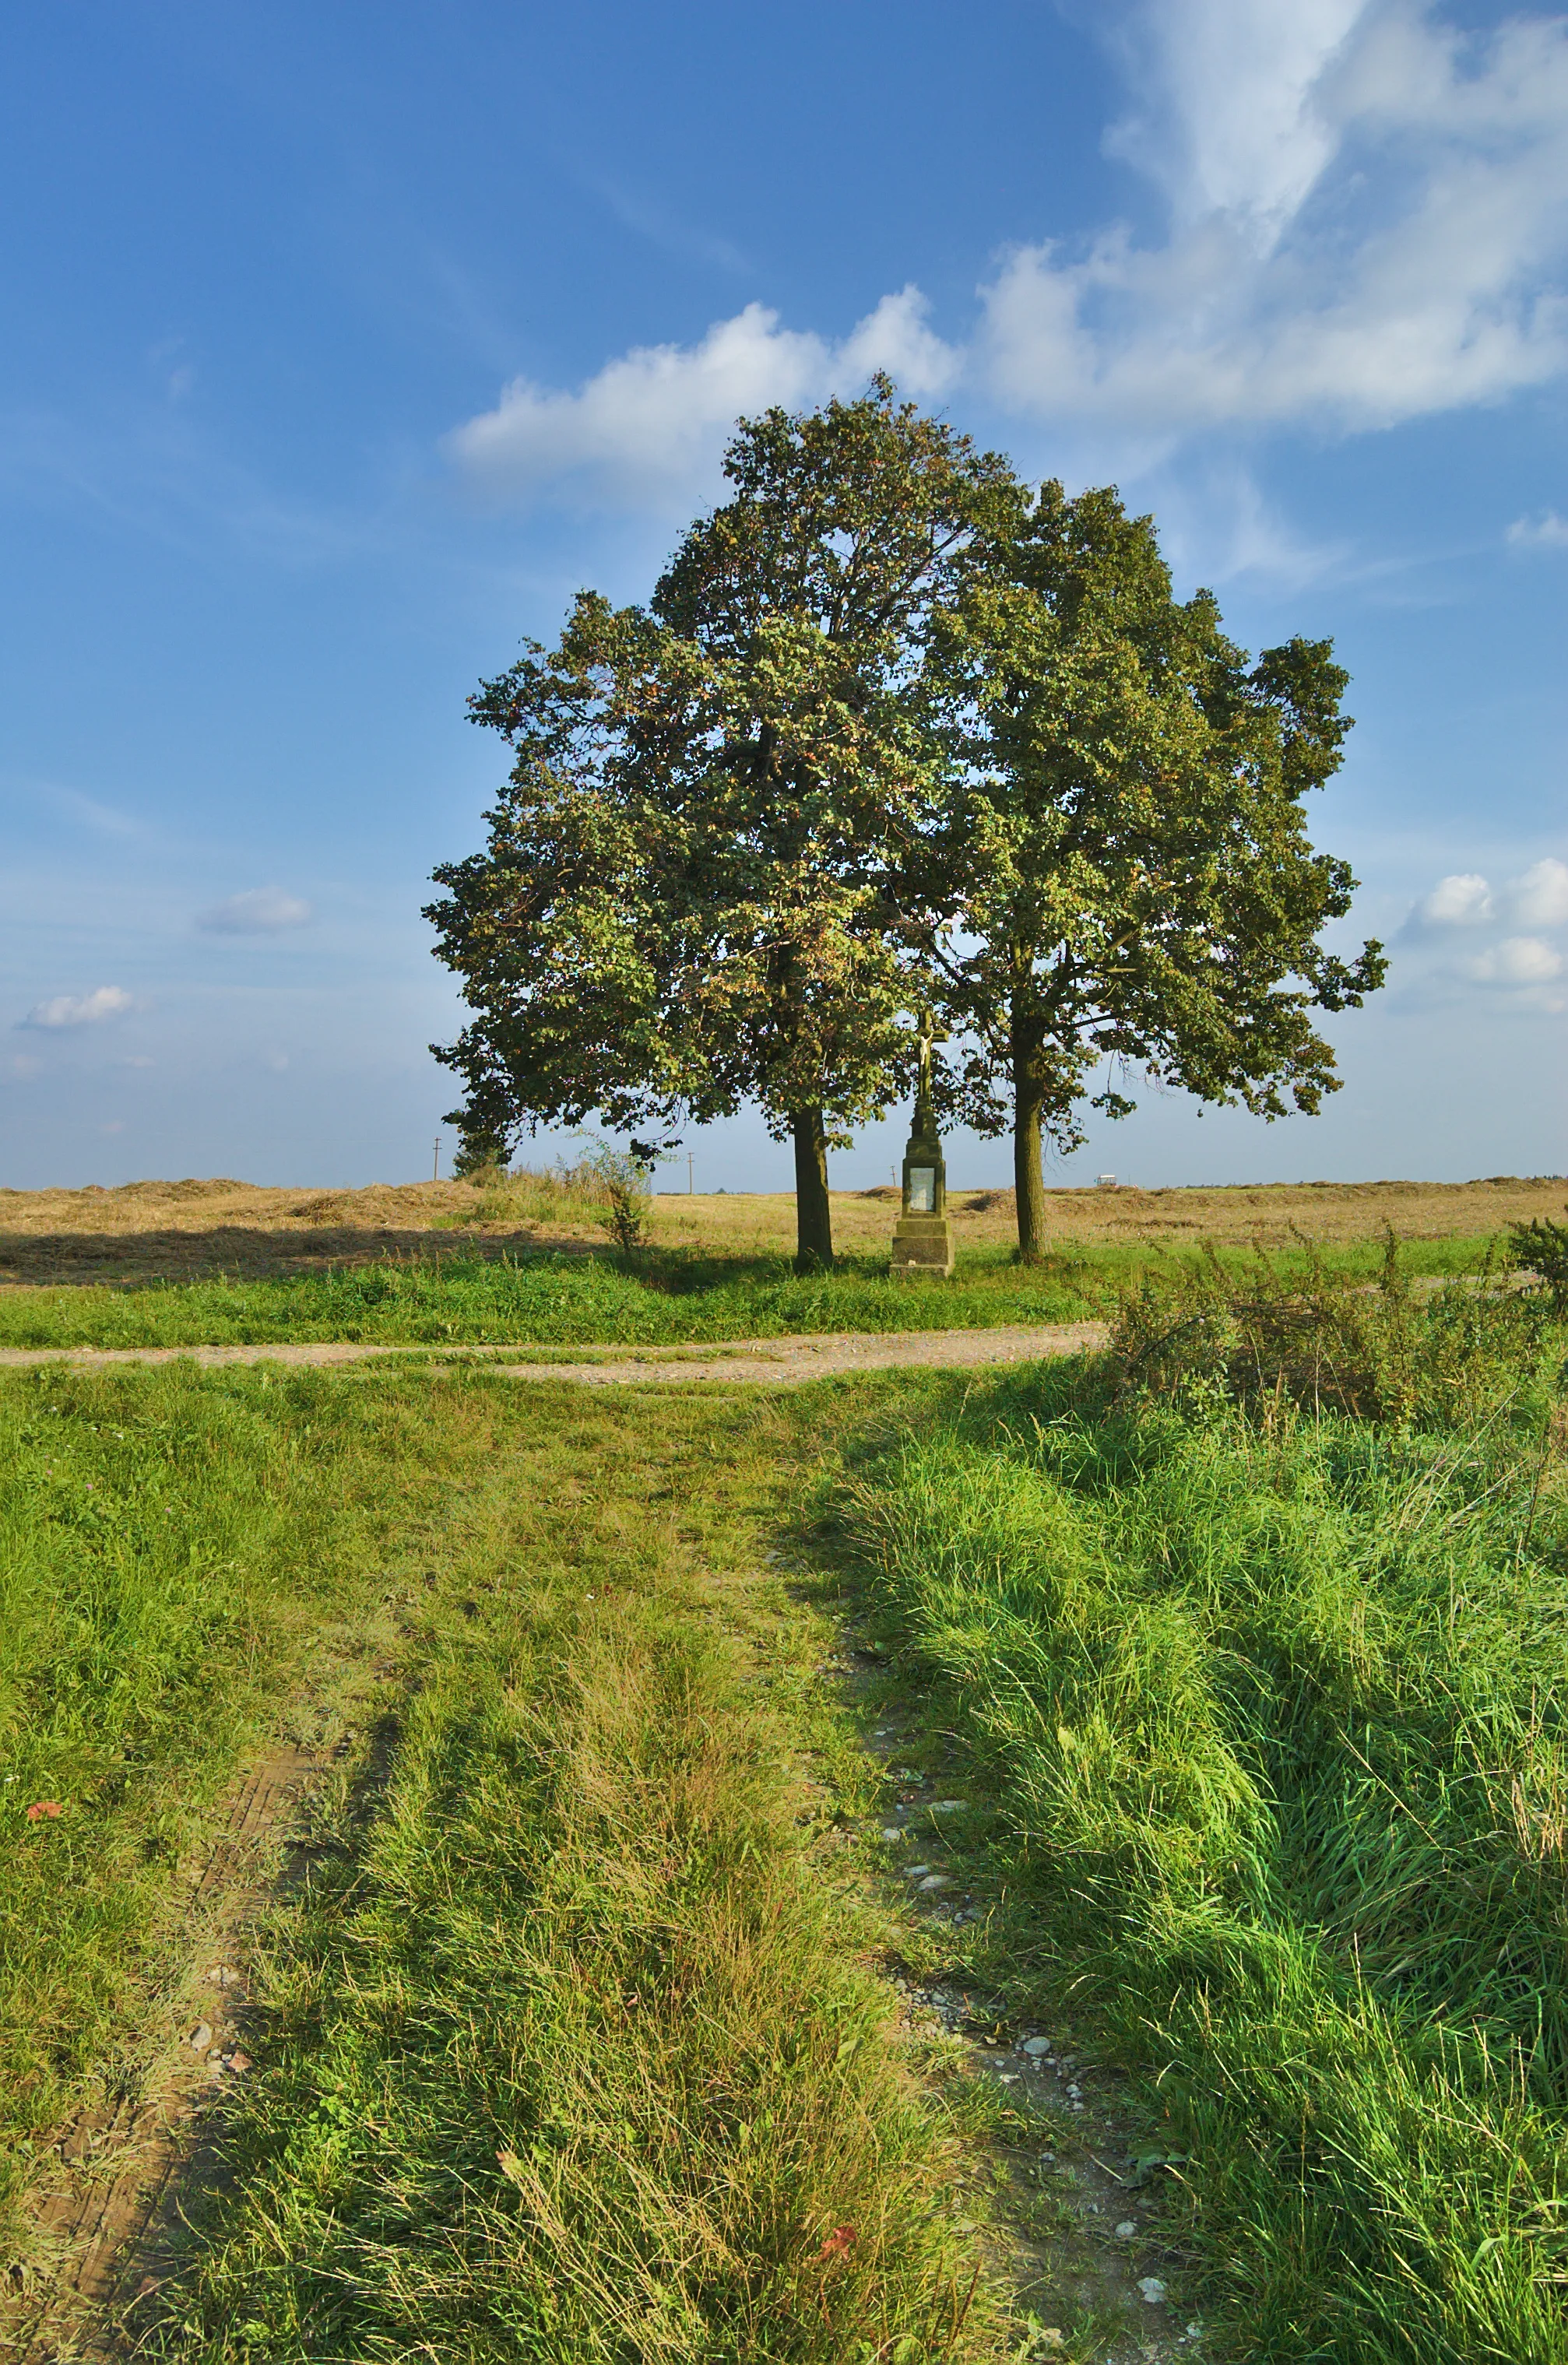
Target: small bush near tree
1541, 1247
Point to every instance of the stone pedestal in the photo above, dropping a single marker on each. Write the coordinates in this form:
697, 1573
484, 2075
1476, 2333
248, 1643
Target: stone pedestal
923, 1242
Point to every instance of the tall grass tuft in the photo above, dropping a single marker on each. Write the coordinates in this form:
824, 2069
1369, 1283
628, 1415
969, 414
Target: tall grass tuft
1324, 1335
1272, 1701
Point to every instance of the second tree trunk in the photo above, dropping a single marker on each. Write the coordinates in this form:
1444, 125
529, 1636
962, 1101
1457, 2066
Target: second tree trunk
813, 1216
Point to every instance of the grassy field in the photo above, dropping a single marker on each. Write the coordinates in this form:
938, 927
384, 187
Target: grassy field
1266, 1706
1244, 1647
569, 2048
173, 1265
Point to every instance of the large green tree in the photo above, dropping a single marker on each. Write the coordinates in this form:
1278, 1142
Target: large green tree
1124, 874
685, 900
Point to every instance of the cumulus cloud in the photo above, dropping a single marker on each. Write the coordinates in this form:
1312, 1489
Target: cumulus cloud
1540, 899
1460, 901
260, 911
1548, 531
652, 424
1517, 960
1513, 957
1365, 208
80, 1009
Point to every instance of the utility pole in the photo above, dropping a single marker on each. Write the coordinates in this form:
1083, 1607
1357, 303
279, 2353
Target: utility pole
690, 1184
435, 1160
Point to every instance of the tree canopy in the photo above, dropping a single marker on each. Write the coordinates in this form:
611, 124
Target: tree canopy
1123, 875
685, 900
894, 733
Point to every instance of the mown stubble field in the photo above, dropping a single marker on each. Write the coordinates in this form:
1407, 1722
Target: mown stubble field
192, 1229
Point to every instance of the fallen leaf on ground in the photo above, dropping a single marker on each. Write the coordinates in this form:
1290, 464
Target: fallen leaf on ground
838, 2245
42, 1807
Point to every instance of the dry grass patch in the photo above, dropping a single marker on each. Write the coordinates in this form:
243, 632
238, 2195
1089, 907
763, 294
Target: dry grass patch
191, 1230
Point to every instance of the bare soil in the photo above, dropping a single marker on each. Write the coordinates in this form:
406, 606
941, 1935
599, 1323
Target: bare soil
763, 1361
193, 1230
108, 2192
1075, 2228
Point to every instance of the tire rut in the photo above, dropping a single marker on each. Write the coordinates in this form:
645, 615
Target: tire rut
108, 2199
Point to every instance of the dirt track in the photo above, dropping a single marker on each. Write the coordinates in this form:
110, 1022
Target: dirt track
777, 1363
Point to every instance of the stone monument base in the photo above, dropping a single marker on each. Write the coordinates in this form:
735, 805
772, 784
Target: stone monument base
921, 1245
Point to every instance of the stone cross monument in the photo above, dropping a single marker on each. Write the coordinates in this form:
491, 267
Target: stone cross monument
923, 1242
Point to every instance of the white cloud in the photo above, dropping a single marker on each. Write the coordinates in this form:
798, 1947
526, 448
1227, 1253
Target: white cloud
260, 911
652, 424
1525, 968
1366, 208
1460, 900
80, 1009
1548, 531
1228, 120
1540, 897
1367, 216
1517, 960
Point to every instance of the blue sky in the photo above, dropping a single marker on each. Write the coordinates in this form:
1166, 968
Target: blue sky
341, 346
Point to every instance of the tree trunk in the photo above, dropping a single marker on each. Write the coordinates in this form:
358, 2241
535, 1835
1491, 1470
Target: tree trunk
814, 1216
1028, 1181
1028, 1178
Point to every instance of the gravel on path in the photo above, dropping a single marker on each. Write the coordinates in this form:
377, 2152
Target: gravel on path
765, 1361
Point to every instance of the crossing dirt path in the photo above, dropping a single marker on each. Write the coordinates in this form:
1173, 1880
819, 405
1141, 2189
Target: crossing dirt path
774, 1363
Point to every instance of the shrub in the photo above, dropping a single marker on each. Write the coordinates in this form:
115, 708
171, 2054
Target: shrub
621, 1178
1541, 1247
1293, 1328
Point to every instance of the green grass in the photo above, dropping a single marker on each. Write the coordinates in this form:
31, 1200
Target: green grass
1271, 1713
567, 2049
166, 1555
570, 2049
661, 1298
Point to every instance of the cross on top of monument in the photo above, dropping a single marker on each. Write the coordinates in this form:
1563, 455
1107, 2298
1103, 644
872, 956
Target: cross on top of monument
927, 1034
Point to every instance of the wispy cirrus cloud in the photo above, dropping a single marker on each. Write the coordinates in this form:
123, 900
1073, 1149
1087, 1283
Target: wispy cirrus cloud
259, 912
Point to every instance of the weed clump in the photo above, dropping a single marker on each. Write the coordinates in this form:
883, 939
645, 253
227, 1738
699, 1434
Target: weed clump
1302, 1330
